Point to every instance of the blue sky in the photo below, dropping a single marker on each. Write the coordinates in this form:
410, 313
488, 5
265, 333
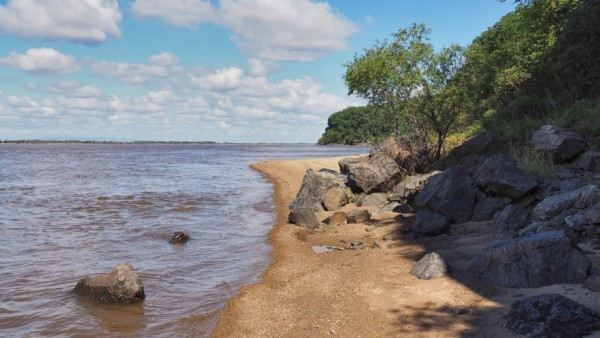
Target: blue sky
227, 70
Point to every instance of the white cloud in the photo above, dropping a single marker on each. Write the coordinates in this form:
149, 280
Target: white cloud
300, 30
89, 21
26, 105
286, 29
186, 13
74, 89
221, 79
260, 67
41, 60
158, 66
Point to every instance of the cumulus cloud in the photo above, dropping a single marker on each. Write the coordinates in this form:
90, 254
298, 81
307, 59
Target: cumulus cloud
73, 89
89, 21
300, 30
41, 60
158, 66
185, 13
221, 79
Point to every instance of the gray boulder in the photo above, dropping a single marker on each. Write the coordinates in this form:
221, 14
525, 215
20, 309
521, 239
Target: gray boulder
589, 161
315, 186
409, 187
430, 223
479, 144
377, 174
121, 285
513, 217
376, 199
592, 214
579, 199
336, 197
451, 194
576, 222
499, 175
346, 162
551, 315
486, 207
304, 217
431, 266
562, 144
532, 261
359, 216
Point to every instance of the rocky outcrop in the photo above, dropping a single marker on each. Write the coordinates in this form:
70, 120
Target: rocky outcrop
122, 285
532, 261
589, 161
179, 238
451, 194
486, 207
319, 188
431, 266
304, 217
511, 218
556, 205
378, 200
499, 175
338, 218
410, 186
430, 223
562, 144
379, 173
551, 315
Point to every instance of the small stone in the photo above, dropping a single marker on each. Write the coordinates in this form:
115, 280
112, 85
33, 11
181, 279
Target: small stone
179, 238
304, 217
359, 216
431, 266
338, 218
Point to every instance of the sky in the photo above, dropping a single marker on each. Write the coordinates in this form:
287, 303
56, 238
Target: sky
199, 70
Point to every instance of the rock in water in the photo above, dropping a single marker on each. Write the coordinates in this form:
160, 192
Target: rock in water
179, 238
317, 186
304, 217
532, 261
122, 285
551, 315
499, 174
430, 223
430, 266
563, 145
451, 193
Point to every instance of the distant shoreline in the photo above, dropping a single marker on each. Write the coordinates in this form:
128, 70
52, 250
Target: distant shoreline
167, 143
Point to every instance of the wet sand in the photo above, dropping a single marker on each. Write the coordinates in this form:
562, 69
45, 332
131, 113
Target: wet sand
367, 292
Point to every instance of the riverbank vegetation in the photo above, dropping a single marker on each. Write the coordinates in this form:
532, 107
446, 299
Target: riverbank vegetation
539, 63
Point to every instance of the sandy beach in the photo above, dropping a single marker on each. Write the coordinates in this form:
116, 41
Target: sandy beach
350, 293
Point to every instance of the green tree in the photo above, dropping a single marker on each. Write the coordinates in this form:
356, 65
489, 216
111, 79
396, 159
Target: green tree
408, 77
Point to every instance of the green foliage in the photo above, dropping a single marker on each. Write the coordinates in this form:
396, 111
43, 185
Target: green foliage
356, 125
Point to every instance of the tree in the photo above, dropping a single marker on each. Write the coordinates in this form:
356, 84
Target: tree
408, 77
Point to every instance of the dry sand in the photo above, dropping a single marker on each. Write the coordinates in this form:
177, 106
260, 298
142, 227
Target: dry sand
367, 292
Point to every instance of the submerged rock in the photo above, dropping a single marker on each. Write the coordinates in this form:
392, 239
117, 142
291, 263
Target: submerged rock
431, 266
304, 217
179, 238
551, 315
562, 144
121, 285
532, 261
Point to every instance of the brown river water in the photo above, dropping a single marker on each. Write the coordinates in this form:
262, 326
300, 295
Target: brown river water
70, 210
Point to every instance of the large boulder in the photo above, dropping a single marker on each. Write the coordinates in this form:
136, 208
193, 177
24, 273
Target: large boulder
592, 214
532, 261
499, 174
319, 187
512, 218
346, 162
304, 217
379, 173
562, 144
121, 285
409, 187
571, 201
551, 315
391, 147
479, 144
589, 161
451, 193
486, 207
431, 266
430, 223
